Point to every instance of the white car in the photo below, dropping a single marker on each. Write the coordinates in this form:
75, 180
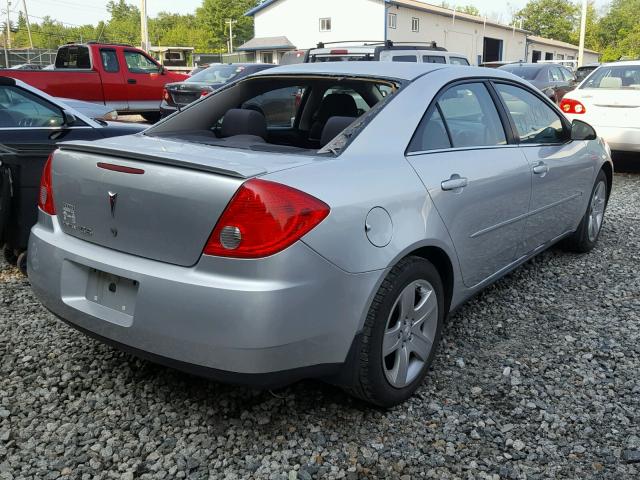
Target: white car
609, 100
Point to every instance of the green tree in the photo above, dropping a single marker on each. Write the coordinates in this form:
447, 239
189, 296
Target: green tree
213, 15
470, 9
619, 30
592, 31
550, 18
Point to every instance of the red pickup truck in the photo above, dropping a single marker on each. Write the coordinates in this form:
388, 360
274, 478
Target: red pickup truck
121, 77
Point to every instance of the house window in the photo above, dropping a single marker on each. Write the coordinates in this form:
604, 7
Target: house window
392, 20
560, 56
325, 24
266, 57
415, 24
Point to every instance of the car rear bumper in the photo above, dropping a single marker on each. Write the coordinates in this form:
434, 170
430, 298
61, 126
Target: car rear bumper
238, 320
619, 138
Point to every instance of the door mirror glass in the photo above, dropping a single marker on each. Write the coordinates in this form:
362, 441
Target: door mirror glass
582, 131
69, 119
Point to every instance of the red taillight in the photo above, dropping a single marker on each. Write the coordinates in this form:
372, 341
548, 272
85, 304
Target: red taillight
45, 200
569, 105
204, 93
166, 96
264, 218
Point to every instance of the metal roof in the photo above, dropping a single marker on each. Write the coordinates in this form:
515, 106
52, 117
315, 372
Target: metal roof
267, 43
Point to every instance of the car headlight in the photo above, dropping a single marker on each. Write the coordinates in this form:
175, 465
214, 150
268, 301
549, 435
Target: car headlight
110, 116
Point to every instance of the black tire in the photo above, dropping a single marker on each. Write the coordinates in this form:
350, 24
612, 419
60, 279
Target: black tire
370, 381
21, 262
579, 241
9, 255
151, 117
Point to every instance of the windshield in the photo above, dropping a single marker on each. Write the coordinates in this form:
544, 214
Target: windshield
615, 77
217, 74
528, 73
583, 72
292, 113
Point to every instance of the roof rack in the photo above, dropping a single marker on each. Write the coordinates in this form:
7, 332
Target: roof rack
386, 43
93, 42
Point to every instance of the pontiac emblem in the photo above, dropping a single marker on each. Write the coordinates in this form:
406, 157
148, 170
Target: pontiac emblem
113, 197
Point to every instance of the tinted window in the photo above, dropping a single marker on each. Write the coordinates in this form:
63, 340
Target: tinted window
404, 58
75, 56
583, 72
279, 106
458, 61
433, 59
19, 108
217, 74
617, 77
109, 60
430, 135
555, 75
138, 63
526, 72
535, 121
471, 116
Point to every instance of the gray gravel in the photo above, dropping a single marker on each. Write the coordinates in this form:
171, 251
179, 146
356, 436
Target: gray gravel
538, 377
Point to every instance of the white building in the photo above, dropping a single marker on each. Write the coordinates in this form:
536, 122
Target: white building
304, 23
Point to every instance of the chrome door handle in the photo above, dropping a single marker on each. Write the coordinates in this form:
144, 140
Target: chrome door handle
454, 183
541, 168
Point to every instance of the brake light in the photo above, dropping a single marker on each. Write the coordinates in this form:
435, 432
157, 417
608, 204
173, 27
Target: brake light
204, 93
45, 200
166, 96
569, 105
339, 52
264, 218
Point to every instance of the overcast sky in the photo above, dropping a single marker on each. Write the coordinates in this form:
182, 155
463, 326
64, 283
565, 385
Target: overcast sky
92, 11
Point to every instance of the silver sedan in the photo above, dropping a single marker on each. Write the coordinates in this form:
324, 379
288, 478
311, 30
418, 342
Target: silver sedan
316, 220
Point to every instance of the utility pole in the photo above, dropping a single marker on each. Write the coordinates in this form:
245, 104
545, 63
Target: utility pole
26, 16
231, 23
8, 32
583, 28
144, 32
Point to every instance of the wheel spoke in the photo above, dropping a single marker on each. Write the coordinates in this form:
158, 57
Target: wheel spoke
401, 367
420, 344
392, 340
426, 307
407, 302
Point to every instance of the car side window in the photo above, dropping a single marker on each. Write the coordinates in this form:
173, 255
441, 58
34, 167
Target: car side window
555, 75
404, 58
20, 108
109, 60
471, 116
458, 61
465, 116
535, 121
279, 106
433, 59
138, 63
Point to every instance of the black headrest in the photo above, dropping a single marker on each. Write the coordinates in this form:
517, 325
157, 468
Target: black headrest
238, 121
333, 127
337, 104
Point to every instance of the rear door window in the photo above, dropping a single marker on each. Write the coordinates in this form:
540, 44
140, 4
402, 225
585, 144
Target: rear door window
22, 109
404, 58
555, 75
535, 121
109, 59
458, 61
73, 56
433, 59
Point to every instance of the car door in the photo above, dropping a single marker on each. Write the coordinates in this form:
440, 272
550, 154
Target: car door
562, 175
113, 82
559, 84
476, 176
31, 126
144, 81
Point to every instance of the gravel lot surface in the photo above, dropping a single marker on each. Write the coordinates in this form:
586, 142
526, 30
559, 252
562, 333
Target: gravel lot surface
538, 377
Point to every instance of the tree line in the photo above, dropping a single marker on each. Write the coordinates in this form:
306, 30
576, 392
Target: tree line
613, 30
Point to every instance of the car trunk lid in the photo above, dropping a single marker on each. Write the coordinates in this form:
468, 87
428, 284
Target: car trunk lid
187, 92
157, 199
611, 108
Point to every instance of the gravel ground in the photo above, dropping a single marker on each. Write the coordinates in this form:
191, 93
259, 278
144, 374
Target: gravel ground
537, 378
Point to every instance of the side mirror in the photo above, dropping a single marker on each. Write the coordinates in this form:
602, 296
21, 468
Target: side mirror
163, 71
582, 131
69, 119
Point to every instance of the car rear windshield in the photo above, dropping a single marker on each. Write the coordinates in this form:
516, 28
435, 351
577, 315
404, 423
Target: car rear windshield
73, 56
615, 77
298, 114
528, 73
217, 74
583, 72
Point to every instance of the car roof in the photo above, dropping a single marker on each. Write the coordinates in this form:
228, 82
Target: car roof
633, 63
399, 70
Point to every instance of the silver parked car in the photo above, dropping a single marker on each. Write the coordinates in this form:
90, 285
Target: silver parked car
314, 220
